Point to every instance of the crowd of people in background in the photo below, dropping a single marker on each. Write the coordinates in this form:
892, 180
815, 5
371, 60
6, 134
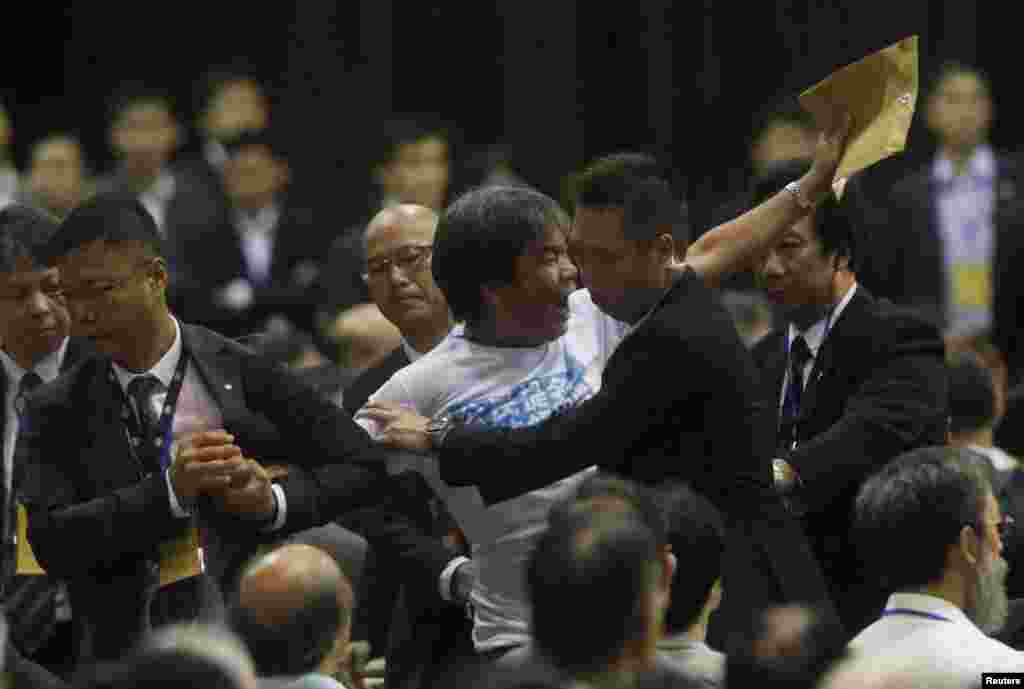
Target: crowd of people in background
484, 437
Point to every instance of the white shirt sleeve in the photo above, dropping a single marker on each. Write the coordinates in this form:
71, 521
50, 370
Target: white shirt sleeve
176, 509
392, 392
448, 573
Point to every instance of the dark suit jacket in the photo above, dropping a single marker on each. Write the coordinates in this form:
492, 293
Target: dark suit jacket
408, 556
679, 398
907, 266
95, 519
878, 388
215, 258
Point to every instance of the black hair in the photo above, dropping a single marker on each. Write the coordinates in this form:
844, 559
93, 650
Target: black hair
480, 236
588, 558
833, 222
215, 80
296, 646
637, 183
158, 669
948, 68
787, 111
130, 95
909, 513
24, 233
105, 217
638, 498
972, 394
697, 535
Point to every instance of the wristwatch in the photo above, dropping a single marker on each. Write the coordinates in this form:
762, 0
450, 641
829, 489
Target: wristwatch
796, 189
437, 429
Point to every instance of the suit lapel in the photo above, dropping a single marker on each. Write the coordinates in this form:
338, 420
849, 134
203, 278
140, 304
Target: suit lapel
108, 431
219, 370
775, 367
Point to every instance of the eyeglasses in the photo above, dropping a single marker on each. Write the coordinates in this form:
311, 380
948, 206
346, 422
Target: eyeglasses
409, 260
98, 290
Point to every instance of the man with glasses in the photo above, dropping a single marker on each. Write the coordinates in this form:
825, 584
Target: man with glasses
124, 458
930, 527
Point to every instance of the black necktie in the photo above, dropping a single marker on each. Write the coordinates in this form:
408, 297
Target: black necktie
799, 355
142, 390
29, 382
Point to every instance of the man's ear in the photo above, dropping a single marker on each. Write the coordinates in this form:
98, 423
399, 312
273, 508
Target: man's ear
969, 545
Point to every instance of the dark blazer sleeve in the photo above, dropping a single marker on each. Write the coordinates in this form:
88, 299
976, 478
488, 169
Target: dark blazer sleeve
900, 404
71, 534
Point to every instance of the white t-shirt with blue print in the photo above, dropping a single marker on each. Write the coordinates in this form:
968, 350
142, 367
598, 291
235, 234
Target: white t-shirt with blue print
507, 387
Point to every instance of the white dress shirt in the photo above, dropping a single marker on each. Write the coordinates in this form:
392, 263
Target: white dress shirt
48, 368
927, 637
157, 197
256, 232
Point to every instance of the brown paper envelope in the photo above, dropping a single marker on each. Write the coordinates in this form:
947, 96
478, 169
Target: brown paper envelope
880, 93
181, 557
26, 562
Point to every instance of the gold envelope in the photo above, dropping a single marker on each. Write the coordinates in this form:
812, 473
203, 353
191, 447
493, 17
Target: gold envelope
879, 92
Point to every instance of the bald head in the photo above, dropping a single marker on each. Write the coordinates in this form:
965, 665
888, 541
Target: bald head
293, 608
399, 244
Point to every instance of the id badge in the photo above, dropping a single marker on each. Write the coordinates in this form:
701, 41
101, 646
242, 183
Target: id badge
181, 558
26, 562
972, 285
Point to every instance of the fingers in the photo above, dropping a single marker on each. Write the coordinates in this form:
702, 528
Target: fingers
382, 412
210, 453
206, 439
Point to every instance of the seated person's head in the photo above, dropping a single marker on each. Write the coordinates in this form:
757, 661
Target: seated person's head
697, 537
5, 136
413, 166
972, 399
33, 314
361, 337
751, 314
256, 173
787, 132
604, 566
399, 242
144, 132
501, 260
928, 523
293, 609
56, 173
230, 102
628, 228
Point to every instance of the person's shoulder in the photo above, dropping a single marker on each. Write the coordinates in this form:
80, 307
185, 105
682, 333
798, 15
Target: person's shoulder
893, 322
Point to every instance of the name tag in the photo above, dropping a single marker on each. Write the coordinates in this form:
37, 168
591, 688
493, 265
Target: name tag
27, 564
181, 558
972, 285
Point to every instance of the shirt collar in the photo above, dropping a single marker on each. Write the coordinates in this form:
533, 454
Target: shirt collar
679, 642
262, 222
163, 188
215, 153
921, 602
163, 369
48, 367
982, 165
815, 335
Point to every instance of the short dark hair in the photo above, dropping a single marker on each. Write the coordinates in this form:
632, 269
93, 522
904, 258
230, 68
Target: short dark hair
637, 183
131, 95
833, 221
786, 111
972, 394
480, 236
948, 68
910, 512
697, 535
294, 647
215, 80
24, 234
268, 137
640, 499
585, 558
106, 217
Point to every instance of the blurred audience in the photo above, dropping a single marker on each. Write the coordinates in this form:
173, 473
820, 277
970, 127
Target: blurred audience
928, 525
362, 337
293, 610
8, 173
56, 179
751, 314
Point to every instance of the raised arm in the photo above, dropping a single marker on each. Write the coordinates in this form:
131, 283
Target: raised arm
737, 245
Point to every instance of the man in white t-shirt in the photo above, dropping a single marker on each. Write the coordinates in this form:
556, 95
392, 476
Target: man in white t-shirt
525, 349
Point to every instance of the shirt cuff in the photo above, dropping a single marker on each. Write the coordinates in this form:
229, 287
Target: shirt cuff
176, 509
280, 509
446, 576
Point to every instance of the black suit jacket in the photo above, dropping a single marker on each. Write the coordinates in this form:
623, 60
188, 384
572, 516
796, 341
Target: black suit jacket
878, 388
908, 266
679, 398
95, 519
211, 260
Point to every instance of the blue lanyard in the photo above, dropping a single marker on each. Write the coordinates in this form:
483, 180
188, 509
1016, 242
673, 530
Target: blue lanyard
163, 438
914, 613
